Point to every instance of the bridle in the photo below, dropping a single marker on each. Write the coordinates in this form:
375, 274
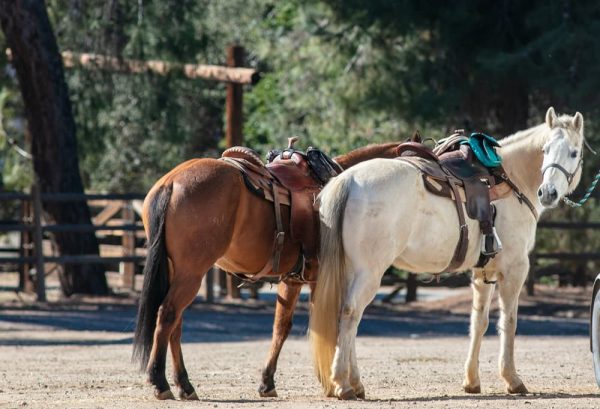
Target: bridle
569, 175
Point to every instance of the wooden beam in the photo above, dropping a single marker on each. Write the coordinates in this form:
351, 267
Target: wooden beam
234, 101
237, 75
107, 213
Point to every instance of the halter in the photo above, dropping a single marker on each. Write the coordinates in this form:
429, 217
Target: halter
570, 176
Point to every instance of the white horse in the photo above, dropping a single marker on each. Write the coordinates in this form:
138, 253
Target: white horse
379, 214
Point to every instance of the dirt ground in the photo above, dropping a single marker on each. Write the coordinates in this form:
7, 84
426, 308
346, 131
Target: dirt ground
77, 355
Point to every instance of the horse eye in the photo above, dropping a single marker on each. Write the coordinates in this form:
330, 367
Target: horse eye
574, 153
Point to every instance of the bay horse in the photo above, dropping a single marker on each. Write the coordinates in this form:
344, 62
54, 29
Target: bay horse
201, 214
379, 214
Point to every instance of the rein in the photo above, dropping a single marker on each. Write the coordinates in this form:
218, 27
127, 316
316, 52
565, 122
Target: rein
587, 195
520, 195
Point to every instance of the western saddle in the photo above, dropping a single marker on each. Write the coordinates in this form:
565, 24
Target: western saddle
293, 179
466, 170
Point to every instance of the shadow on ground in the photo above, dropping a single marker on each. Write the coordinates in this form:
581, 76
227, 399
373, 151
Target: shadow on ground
233, 322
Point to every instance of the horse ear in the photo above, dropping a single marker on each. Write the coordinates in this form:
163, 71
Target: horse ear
578, 122
551, 117
416, 137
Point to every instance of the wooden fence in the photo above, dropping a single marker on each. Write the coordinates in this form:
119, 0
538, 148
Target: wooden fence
118, 217
105, 223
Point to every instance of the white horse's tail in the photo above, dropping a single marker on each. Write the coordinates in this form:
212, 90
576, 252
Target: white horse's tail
331, 282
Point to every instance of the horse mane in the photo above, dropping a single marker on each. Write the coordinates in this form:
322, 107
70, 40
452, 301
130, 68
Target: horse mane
371, 151
528, 135
536, 134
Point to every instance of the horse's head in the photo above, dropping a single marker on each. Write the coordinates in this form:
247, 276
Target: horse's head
563, 156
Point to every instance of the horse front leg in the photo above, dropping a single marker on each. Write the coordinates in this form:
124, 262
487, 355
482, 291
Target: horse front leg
510, 288
287, 297
482, 296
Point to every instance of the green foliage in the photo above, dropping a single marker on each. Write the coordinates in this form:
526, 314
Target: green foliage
325, 84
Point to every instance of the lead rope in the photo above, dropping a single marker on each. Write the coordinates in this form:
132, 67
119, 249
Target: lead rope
587, 195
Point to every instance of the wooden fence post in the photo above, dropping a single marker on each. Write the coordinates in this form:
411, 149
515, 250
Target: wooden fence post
235, 99
128, 243
38, 240
25, 247
233, 130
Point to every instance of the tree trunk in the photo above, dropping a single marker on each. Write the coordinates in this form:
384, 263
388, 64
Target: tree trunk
39, 68
511, 106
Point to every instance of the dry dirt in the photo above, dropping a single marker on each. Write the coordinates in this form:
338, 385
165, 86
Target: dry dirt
77, 355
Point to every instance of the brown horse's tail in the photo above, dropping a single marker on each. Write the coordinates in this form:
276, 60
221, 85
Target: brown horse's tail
331, 281
156, 276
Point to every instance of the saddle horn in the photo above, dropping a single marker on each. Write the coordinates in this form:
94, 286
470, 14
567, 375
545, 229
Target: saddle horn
292, 141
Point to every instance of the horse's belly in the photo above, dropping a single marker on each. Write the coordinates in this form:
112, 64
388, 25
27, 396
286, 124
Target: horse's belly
434, 238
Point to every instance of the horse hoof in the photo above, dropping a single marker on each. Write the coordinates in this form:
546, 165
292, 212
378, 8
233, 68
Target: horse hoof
472, 389
268, 394
519, 389
188, 396
347, 395
359, 390
164, 395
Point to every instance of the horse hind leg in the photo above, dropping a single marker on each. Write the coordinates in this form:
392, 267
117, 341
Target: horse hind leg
344, 370
369, 294
482, 296
355, 382
180, 375
181, 293
287, 297
167, 316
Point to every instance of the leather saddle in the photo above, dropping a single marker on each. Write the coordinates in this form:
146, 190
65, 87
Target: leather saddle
291, 178
455, 170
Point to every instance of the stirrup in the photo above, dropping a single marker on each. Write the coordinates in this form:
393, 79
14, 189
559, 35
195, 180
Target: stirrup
490, 243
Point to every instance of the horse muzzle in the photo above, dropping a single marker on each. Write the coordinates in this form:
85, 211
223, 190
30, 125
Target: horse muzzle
548, 195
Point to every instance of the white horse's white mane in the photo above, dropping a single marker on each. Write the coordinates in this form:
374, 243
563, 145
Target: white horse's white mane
537, 135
